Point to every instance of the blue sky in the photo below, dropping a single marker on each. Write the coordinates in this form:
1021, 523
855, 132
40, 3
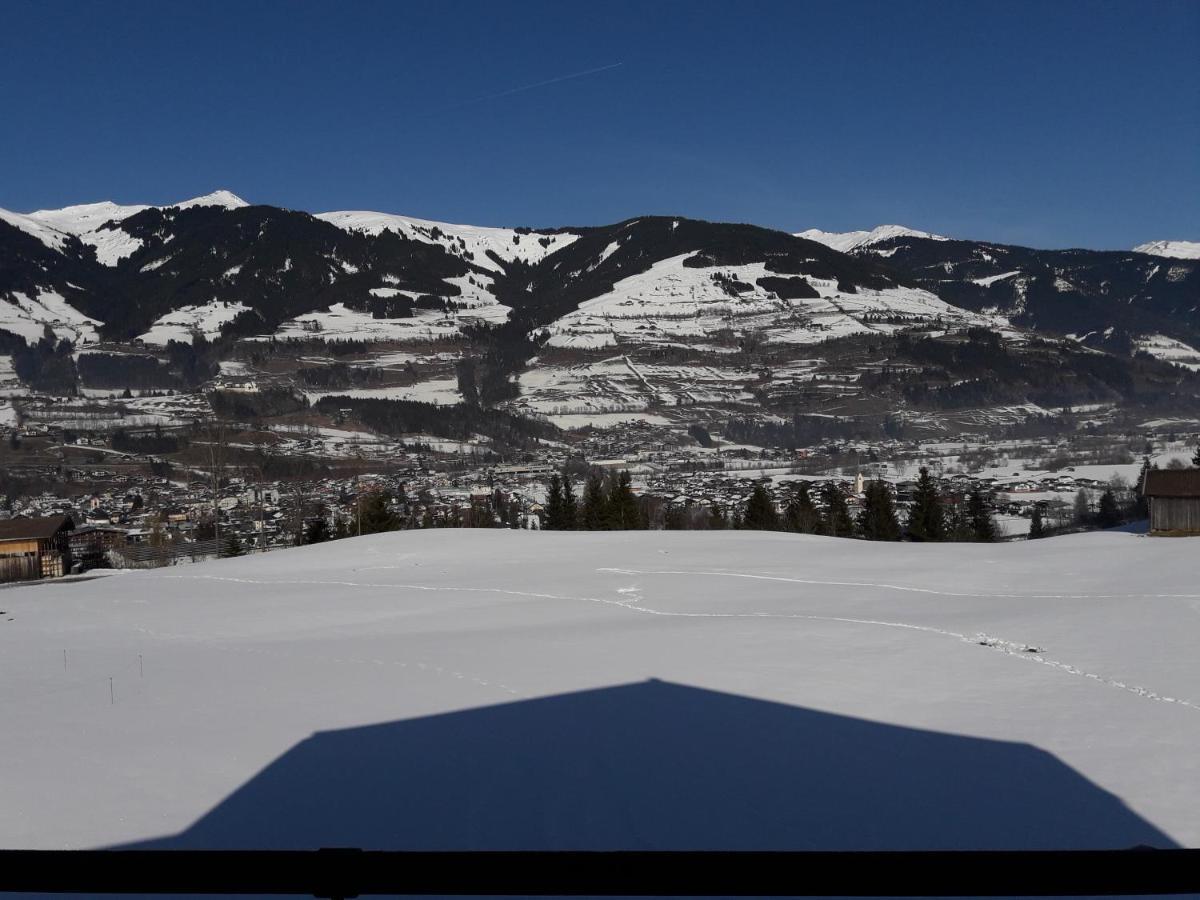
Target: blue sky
1049, 124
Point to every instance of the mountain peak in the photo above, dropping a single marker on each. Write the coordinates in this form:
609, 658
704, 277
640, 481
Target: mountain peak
845, 241
224, 198
84, 217
1175, 249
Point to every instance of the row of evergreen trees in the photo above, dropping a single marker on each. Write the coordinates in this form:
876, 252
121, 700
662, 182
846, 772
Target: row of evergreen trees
610, 504
604, 507
931, 517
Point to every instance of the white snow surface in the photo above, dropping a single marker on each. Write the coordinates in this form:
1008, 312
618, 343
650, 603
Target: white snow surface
451, 689
1176, 249
471, 241
28, 317
85, 217
51, 237
672, 301
227, 199
182, 324
86, 222
845, 241
340, 323
1170, 350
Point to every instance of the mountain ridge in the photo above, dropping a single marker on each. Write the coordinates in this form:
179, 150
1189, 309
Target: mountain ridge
610, 317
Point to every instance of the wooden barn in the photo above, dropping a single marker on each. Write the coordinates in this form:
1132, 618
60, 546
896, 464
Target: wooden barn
1173, 499
34, 547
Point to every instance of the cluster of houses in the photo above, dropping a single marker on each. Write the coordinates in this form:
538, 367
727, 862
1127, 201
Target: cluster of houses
107, 514
161, 522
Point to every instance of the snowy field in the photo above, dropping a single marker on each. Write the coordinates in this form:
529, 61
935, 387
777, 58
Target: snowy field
476, 689
187, 321
672, 302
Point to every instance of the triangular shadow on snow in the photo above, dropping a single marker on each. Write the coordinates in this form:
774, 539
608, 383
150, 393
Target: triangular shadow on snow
663, 766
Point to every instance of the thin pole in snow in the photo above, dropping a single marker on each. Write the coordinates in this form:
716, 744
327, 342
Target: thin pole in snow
141, 673
64, 660
112, 697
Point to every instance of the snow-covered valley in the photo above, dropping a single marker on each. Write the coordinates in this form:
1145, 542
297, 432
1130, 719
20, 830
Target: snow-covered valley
482, 689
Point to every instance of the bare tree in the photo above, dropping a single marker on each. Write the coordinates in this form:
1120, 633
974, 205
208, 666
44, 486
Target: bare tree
217, 446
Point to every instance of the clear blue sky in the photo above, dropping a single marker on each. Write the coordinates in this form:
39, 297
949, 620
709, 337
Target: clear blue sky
1050, 123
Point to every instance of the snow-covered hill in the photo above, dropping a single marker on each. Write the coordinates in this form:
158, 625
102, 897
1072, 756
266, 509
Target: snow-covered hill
86, 221
475, 243
481, 689
673, 301
1176, 249
845, 241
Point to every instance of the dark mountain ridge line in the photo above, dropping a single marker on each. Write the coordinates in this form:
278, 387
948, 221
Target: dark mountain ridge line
283, 263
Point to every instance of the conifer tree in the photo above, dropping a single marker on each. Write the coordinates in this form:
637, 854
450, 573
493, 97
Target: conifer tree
926, 518
1037, 528
761, 514
801, 514
622, 511
317, 531
716, 518
570, 505
982, 525
233, 546
877, 521
554, 504
594, 514
836, 522
375, 514
1107, 513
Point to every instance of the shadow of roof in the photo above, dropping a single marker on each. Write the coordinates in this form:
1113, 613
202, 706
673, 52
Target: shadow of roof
662, 766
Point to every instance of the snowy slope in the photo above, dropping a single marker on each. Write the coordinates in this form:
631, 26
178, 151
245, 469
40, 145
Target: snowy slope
478, 689
672, 301
28, 317
222, 198
85, 217
470, 241
86, 221
1177, 249
51, 237
184, 323
845, 241
1166, 348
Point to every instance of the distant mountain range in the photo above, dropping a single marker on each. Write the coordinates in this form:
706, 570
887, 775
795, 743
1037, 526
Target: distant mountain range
655, 288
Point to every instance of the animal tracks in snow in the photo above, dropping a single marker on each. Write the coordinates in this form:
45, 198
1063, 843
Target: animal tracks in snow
631, 598
1027, 652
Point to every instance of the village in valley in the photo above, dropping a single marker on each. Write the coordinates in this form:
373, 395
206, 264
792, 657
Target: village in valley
156, 480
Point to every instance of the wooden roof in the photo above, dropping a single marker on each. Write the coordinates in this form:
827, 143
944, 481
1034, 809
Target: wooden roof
1172, 483
26, 529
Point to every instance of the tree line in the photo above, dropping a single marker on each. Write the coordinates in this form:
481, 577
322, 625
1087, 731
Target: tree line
609, 504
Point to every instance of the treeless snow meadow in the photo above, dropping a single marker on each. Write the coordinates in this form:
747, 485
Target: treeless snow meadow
484, 689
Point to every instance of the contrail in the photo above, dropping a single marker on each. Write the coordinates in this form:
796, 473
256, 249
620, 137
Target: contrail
530, 87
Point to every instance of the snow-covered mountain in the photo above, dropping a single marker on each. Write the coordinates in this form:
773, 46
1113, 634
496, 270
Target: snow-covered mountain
98, 225
846, 241
1110, 299
599, 319
470, 689
1175, 249
486, 247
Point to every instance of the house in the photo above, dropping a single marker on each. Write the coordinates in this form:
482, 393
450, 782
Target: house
1173, 499
90, 544
32, 548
